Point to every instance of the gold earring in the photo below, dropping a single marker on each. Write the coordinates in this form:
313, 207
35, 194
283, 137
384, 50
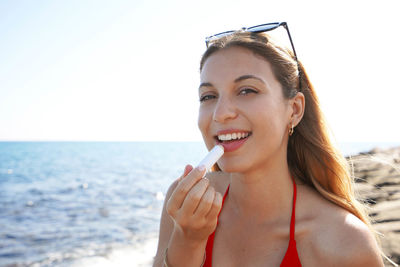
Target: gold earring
291, 130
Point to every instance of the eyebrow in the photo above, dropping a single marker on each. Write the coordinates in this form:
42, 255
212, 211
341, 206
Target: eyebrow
205, 85
245, 77
239, 79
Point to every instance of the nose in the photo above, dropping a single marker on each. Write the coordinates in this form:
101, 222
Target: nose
225, 110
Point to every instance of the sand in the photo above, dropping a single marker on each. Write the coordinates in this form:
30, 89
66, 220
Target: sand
377, 175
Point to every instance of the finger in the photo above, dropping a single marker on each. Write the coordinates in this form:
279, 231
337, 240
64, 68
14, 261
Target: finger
191, 178
194, 196
171, 207
183, 187
188, 169
206, 202
216, 207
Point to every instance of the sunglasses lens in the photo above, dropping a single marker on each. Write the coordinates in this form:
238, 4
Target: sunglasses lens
219, 35
264, 27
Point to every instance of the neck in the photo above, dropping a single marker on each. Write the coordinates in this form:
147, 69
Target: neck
262, 194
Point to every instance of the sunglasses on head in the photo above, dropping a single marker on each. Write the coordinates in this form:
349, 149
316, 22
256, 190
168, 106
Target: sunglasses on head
257, 29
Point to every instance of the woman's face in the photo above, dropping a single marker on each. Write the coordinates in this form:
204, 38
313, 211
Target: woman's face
243, 108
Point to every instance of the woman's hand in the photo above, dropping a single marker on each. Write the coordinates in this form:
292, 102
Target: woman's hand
189, 216
194, 206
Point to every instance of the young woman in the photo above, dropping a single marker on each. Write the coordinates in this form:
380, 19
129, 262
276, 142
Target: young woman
281, 195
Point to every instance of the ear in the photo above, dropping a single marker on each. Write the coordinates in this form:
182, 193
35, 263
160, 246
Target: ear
297, 104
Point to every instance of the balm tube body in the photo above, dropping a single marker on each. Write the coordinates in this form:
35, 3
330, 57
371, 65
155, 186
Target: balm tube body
212, 157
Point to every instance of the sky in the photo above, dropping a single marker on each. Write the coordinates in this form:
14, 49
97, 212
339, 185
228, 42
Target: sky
121, 70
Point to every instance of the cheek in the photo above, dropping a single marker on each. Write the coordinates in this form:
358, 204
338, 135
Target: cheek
271, 119
204, 123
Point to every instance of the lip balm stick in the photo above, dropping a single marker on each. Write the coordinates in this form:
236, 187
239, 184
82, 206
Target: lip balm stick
212, 157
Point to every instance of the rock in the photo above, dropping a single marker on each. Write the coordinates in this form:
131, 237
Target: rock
377, 176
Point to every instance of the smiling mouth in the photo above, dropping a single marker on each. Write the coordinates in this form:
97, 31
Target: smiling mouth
231, 137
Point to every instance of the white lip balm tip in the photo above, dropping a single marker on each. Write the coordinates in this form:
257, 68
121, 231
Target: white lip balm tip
212, 157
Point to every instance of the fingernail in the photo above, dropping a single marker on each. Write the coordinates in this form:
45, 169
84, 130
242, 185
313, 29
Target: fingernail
186, 169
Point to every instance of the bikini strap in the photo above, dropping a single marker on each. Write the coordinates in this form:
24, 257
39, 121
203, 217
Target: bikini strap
223, 199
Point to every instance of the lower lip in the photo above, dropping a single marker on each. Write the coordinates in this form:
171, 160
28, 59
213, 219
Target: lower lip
232, 145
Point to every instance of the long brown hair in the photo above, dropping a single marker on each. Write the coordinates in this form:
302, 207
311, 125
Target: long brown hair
311, 156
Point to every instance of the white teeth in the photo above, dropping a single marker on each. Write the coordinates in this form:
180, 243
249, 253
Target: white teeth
233, 136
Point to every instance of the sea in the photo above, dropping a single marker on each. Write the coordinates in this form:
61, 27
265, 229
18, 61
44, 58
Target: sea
91, 203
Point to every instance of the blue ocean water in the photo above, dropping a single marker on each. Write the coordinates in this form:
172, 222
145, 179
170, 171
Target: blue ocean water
64, 202
90, 203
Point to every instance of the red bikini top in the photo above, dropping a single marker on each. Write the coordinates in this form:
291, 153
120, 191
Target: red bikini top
291, 258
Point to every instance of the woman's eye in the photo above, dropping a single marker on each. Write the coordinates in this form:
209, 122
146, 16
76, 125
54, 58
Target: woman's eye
206, 97
246, 91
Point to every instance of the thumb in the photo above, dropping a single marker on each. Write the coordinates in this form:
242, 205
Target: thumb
188, 169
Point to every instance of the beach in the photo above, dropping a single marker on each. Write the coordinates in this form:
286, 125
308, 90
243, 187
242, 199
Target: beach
377, 175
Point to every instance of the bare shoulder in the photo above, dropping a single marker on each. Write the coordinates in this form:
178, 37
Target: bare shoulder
335, 236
